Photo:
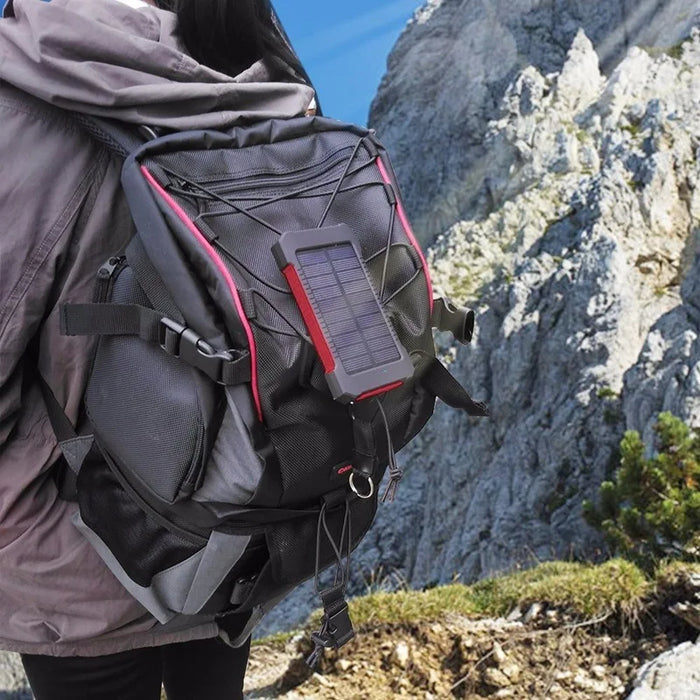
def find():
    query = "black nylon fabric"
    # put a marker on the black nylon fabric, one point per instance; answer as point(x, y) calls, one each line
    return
point(170, 261)
point(241, 190)
point(299, 414)
point(292, 564)
point(255, 179)
point(150, 409)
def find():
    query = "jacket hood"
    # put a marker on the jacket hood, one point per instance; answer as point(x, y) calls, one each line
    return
point(126, 61)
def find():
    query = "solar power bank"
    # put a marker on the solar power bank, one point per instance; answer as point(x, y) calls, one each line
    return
point(356, 343)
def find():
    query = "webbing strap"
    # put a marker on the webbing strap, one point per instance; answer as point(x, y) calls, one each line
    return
point(438, 380)
point(246, 519)
point(448, 317)
point(150, 281)
point(364, 452)
point(111, 319)
point(336, 627)
point(75, 448)
point(119, 138)
point(226, 367)
point(62, 427)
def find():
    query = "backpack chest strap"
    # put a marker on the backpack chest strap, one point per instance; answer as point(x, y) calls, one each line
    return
point(226, 367)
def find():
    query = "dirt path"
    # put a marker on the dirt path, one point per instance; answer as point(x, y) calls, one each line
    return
point(541, 655)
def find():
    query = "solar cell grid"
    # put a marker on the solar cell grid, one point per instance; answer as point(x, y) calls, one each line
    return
point(347, 308)
point(361, 354)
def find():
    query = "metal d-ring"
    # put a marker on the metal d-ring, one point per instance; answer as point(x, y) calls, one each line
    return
point(354, 488)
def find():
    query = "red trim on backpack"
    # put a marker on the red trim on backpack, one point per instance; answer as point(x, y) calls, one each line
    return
point(379, 390)
point(309, 316)
point(409, 231)
point(227, 277)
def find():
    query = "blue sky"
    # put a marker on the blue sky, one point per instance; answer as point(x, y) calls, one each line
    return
point(344, 47)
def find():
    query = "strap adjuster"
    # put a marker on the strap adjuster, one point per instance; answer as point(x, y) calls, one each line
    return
point(448, 317)
point(340, 630)
point(182, 342)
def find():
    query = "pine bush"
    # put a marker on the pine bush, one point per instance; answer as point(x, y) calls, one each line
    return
point(651, 511)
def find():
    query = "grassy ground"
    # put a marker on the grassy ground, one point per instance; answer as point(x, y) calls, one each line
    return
point(588, 591)
point(572, 630)
point(585, 590)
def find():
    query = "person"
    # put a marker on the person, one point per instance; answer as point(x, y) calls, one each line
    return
point(181, 64)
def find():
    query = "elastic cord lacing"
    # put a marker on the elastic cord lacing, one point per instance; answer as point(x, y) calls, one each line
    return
point(182, 185)
point(336, 627)
point(395, 473)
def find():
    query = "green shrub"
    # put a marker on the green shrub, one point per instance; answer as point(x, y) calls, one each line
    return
point(651, 511)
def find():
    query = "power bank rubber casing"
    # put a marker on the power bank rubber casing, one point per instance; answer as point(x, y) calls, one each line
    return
point(357, 345)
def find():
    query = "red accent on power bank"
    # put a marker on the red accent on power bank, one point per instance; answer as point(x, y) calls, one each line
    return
point(380, 390)
point(312, 324)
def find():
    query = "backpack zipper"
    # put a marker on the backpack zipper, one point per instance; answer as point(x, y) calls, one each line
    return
point(222, 269)
point(144, 505)
point(303, 173)
point(106, 276)
point(195, 473)
point(272, 184)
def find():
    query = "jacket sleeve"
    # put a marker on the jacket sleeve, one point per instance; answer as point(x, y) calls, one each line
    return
point(62, 214)
point(47, 173)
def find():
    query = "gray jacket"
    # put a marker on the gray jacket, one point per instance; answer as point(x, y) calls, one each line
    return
point(62, 214)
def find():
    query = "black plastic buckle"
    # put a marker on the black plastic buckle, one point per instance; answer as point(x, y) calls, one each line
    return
point(340, 627)
point(182, 342)
point(336, 630)
point(241, 589)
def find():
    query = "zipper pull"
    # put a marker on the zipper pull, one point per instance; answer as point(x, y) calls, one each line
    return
point(107, 270)
point(104, 277)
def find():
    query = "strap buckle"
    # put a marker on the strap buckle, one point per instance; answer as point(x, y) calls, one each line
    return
point(182, 342)
point(336, 631)
point(340, 630)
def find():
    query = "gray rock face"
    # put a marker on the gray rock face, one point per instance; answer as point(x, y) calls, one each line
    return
point(449, 70)
point(583, 330)
point(13, 683)
point(674, 675)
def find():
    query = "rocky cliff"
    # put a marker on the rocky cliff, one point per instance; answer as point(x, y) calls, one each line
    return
point(587, 290)
point(588, 298)
point(450, 68)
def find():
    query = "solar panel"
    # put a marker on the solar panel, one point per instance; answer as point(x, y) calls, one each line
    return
point(356, 343)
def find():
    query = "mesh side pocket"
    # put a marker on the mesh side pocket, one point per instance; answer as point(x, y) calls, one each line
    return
point(138, 541)
point(292, 545)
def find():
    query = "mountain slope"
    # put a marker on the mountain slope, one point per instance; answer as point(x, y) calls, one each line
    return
point(449, 70)
point(594, 231)
point(576, 272)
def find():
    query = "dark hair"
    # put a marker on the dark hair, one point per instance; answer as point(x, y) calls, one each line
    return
point(230, 35)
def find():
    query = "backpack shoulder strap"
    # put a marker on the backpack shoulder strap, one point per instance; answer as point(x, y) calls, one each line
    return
point(119, 137)
point(121, 140)
point(438, 380)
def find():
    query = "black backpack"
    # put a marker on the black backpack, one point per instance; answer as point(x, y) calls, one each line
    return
point(265, 348)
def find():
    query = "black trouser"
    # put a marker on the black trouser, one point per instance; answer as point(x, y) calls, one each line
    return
point(200, 670)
